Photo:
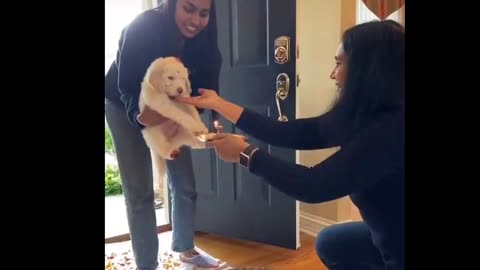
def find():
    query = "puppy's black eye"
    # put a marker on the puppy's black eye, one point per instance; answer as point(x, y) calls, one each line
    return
point(170, 77)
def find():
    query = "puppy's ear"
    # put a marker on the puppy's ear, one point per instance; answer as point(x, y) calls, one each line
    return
point(154, 73)
point(188, 87)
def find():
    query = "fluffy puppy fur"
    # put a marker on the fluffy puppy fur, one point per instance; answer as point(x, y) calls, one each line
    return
point(165, 79)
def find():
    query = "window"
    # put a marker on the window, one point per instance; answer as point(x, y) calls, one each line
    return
point(118, 13)
point(365, 15)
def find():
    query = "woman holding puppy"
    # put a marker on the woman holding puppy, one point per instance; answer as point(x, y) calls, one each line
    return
point(185, 29)
point(367, 122)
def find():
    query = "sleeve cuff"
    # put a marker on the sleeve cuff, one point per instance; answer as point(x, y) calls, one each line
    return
point(244, 119)
point(257, 160)
point(133, 118)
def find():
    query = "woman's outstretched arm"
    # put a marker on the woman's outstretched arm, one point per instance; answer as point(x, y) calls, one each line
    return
point(374, 154)
point(301, 134)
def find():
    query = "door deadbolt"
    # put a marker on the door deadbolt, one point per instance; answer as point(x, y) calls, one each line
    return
point(282, 50)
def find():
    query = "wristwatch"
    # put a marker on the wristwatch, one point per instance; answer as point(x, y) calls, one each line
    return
point(246, 155)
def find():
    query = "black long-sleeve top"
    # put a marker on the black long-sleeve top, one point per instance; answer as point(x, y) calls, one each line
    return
point(149, 36)
point(369, 167)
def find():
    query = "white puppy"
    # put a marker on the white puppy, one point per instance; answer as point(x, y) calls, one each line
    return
point(165, 79)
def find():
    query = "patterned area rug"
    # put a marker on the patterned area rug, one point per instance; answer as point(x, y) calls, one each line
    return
point(119, 256)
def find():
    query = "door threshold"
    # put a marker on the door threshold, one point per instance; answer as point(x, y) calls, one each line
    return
point(126, 237)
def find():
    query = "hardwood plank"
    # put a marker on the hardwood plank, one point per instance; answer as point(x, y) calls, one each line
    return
point(239, 253)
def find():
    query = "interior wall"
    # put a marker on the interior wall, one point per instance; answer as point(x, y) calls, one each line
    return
point(318, 35)
point(320, 25)
point(348, 14)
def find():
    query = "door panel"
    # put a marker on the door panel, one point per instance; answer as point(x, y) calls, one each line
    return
point(231, 201)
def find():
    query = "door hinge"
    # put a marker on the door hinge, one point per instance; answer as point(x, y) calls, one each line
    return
point(298, 52)
point(298, 80)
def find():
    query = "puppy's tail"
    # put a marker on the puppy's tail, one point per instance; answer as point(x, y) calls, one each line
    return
point(159, 166)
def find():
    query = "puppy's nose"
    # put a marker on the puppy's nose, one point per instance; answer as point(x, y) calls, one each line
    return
point(180, 90)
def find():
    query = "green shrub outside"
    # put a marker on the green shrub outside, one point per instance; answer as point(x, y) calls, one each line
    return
point(113, 184)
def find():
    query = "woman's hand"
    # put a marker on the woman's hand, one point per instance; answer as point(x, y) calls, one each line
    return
point(228, 146)
point(208, 99)
point(150, 117)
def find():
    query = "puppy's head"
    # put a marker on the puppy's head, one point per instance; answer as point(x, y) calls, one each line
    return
point(169, 76)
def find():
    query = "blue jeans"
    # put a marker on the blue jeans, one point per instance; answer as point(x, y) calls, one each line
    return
point(135, 165)
point(348, 246)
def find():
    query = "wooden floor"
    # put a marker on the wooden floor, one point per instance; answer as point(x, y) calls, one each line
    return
point(239, 253)
point(249, 254)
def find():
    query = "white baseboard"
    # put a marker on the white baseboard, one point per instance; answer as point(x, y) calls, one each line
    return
point(312, 224)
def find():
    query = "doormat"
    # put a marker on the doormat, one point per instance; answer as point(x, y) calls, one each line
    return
point(119, 256)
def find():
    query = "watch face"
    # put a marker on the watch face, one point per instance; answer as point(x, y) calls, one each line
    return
point(245, 155)
point(243, 159)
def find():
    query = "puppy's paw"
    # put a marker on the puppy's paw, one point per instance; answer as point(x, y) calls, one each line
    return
point(198, 133)
point(166, 154)
point(199, 130)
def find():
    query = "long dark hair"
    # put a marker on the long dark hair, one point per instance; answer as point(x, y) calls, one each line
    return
point(201, 52)
point(375, 79)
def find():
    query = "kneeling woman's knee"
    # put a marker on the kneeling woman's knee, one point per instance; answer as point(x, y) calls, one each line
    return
point(325, 244)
